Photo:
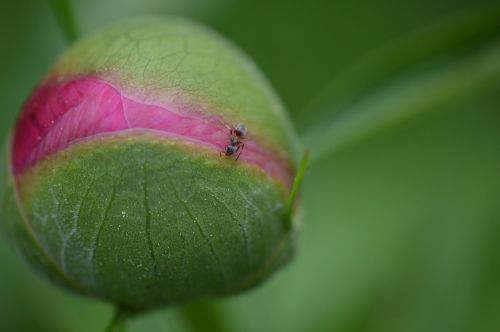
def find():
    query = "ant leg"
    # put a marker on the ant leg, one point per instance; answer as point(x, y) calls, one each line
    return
point(226, 125)
point(241, 150)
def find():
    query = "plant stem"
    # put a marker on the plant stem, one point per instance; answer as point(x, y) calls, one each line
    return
point(117, 323)
point(204, 316)
point(65, 17)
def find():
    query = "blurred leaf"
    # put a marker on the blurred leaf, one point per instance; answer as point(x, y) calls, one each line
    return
point(421, 93)
point(406, 77)
point(468, 28)
point(65, 17)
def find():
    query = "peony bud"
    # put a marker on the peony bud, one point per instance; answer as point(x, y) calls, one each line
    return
point(119, 184)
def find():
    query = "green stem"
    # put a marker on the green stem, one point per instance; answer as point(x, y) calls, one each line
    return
point(117, 323)
point(63, 12)
point(204, 316)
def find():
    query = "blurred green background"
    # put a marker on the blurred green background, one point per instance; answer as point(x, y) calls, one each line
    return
point(400, 101)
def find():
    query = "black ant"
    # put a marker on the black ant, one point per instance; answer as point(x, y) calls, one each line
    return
point(237, 134)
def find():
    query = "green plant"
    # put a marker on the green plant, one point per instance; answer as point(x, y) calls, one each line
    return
point(385, 89)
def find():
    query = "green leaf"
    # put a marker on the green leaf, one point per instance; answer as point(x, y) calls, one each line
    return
point(405, 78)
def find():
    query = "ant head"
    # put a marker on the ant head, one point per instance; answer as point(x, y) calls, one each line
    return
point(241, 129)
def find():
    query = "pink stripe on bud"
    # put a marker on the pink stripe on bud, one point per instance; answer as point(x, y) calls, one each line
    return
point(58, 115)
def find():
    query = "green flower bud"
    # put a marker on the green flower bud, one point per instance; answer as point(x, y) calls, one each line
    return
point(130, 180)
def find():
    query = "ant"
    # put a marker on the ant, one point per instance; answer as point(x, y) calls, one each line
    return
point(237, 134)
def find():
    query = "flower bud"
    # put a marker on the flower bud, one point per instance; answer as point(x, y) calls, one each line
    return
point(129, 179)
